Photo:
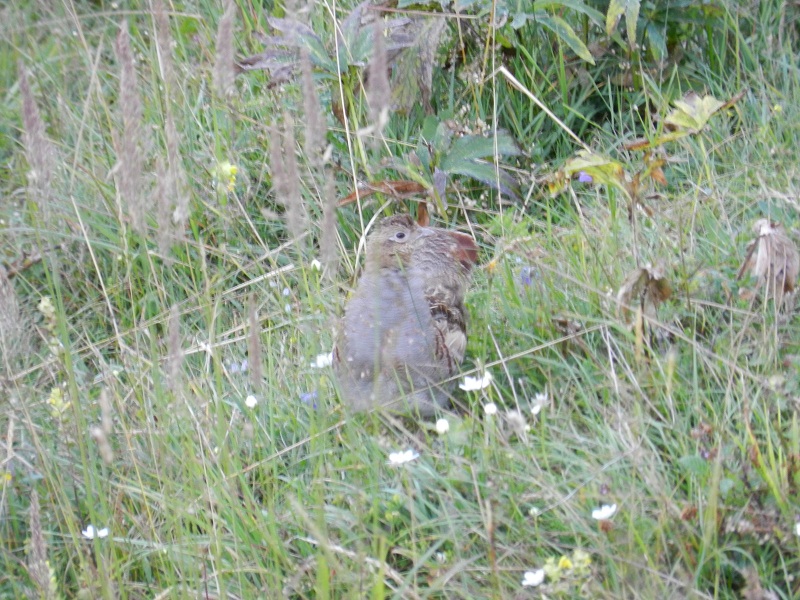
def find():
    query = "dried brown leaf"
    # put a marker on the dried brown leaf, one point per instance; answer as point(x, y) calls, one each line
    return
point(773, 261)
point(644, 288)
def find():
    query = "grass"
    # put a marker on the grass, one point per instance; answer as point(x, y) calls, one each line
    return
point(123, 388)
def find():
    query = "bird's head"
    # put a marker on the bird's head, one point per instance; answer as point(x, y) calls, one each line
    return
point(391, 243)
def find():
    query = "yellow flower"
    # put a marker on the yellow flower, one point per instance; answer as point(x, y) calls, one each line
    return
point(564, 563)
point(56, 400)
point(226, 173)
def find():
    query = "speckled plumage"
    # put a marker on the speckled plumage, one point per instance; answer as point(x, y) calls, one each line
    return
point(403, 333)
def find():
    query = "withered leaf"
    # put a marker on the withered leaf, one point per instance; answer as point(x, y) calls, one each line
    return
point(773, 261)
point(646, 288)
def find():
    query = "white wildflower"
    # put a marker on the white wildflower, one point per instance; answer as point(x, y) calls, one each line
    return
point(605, 512)
point(402, 457)
point(490, 409)
point(539, 402)
point(323, 360)
point(533, 578)
point(442, 426)
point(90, 532)
point(250, 401)
point(472, 384)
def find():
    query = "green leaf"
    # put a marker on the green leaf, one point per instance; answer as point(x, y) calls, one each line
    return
point(630, 8)
point(693, 112)
point(603, 169)
point(632, 19)
point(566, 34)
point(657, 45)
point(579, 7)
point(487, 173)
point(694, 465)
point(470, 147)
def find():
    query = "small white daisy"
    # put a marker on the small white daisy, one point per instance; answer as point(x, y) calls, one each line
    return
point(472, 384)
point(605, 512)
point(538, 403)
point(250, 401)
point(323, 360)
point(402, 457)
point(797, 529)
point(90, 532)
point(316, 265)
point(490, 409)
point(442, 426)
point(533, 578)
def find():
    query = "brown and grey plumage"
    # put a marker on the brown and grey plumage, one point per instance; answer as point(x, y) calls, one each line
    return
point(403, 333)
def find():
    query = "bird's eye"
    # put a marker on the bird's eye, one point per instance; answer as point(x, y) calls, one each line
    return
point(400, 235)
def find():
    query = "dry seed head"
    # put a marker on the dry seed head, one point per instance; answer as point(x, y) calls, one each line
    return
point(328, 244)
point(315, 127)
point(39, 151)
point(106, 420)
point(164, 45)
point(378, 89)
point(103, 445)
point(130, 174)
point(224, 65)
point(176, 174)
point(13, 342)
point(164, 194)
point(286, 176)
point(37, 557)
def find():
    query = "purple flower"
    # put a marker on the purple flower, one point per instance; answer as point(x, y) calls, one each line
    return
point(584, 177)
point(309, 398)
point(525, 277)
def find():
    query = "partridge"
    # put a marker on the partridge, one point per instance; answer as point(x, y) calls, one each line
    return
point(403, 334)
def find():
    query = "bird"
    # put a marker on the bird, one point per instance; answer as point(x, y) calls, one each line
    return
point(403, 333)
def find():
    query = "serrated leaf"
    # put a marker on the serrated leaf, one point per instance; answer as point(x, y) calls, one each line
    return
point(602, 169)
point(299, 35)
point(488, 174)
point(566, 34)
point(693, 112)
point(466, 149)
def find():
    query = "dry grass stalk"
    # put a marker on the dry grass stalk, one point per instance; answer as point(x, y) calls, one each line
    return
point(315, 127)
point(130, 170)
point(286, 176)
point(773, 261)
point(644, 289)
point(254, 345)
point(224, 72)
point(39, 150)
point(378, 90)
point(175, 352)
